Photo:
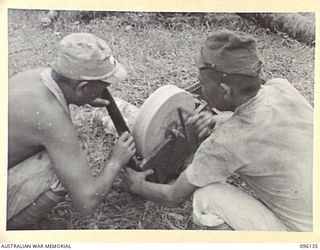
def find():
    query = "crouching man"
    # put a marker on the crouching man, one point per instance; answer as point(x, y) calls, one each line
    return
point(45, 160)
point(267, 140)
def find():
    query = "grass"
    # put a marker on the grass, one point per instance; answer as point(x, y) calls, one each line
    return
point(156, 49)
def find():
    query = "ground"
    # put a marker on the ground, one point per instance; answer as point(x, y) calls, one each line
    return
point(156, 49)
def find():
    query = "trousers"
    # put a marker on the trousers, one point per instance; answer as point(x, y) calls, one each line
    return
point(33, 190)
point(217, 204)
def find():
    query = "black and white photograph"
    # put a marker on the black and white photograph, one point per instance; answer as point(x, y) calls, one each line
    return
point(142, 120)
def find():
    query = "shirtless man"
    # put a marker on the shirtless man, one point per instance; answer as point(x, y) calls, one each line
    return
point(45, 160)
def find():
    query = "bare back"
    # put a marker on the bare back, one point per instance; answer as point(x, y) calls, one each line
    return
point(32, 108)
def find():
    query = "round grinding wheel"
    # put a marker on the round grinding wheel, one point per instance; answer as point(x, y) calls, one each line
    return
point(158, 113)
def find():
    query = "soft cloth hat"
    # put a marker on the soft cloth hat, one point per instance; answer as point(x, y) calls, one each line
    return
point(83, 56)
point(230, 52)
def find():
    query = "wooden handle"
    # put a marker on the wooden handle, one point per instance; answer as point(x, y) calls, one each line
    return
point(119, 124)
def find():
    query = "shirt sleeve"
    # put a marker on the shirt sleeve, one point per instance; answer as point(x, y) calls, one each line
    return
point(280, 82)
point(289, 93)
point(210, 164)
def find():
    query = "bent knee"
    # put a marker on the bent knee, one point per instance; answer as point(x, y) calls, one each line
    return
point(213, 191)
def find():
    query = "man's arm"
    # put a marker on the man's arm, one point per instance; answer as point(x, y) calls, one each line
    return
point(71, 164)
point(170, 195)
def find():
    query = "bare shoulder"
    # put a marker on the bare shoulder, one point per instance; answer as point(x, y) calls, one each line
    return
point(33, 108)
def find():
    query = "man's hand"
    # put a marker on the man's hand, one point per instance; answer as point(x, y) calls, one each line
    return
point(123, 149)
point(133, 180)
point(201, 124)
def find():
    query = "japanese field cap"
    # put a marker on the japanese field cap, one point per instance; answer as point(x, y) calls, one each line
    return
point(83, 56)
point(230, 52)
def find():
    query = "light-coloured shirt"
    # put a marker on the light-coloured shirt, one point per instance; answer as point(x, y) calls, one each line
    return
point(269, 142)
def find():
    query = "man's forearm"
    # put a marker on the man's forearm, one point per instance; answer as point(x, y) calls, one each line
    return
point(99, 188)
point(168, 195)
point(107, 176)
point(159, 193)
